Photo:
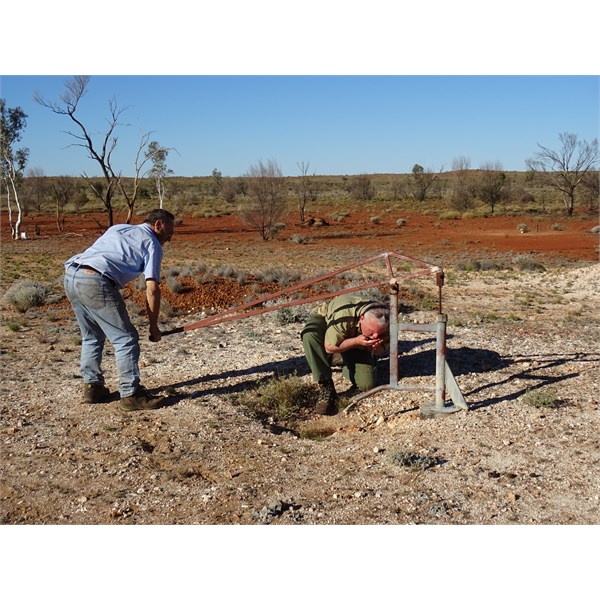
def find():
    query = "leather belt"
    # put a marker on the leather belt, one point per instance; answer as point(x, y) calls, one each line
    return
point(91, 270)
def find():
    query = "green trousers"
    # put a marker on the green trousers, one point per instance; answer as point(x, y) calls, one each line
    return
point(359, 365)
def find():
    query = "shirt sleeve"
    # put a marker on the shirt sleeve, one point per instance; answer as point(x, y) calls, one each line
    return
point(153, 261)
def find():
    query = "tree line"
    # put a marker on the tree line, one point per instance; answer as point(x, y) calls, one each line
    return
point(262, 192)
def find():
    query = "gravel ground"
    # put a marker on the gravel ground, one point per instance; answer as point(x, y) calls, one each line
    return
point(206, 459)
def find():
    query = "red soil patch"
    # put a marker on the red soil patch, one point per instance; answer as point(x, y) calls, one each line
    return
point(421, 236)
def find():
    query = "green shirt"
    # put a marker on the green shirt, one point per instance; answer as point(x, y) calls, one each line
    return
point(342, 316)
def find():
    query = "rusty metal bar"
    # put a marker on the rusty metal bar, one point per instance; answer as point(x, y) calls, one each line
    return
point(230, 314)
point(430, 268)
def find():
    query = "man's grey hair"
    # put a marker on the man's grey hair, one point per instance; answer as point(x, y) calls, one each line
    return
point(377, 312)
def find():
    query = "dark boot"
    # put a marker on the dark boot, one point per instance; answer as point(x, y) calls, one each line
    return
point(94, 393)
point(326, 405)
point(141, 399)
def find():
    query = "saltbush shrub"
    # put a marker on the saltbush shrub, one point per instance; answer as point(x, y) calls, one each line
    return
point(26, 294)
point(280, 398)
point(412, 460)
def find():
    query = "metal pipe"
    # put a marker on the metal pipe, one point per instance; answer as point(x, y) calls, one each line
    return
point(393, 333)
point(440, 361)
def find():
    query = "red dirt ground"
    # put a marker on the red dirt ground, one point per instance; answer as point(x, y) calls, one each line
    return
point(421, 236)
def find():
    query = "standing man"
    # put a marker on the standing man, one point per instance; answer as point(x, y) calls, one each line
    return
point(353, 326)
point(92, 283)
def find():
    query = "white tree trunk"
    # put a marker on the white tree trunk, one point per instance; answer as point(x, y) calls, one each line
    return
point(10, 221)
point(16, 230)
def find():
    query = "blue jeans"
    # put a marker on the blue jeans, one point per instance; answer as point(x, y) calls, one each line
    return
point(101, 313)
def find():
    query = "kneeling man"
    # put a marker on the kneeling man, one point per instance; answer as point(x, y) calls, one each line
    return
point(354, 327)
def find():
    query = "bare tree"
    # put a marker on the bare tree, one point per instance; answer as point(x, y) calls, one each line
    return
point(12, 160)
point(102, 151)
point(307, 190)
point(461, 193)
point(523, 196)
point(591, 185)
point(62, 190)
point(361, 188)
point(229, 190)
point(130, 192)
point(564, 169)
point(397, 187)
point(37, 187)
point(422, 181)
point(492, 184)
point(266, 201)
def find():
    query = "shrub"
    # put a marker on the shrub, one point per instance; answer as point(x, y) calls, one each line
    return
point(281, 398)
point(400, 222)
point(172, 272)
point(225, 271)
point(166, 310)
point(541, 398)
point(526, 263)
point(174, 284)
point(277, 275)
point(522, 228)
point(200, 267)
point(375, 220)
point(412, 460)
point(450, 215)
point(24, 295)
point(298, 239)
point(291, 314)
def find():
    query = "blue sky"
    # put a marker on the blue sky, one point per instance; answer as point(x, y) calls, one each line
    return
point(346, 87)
point(338, 124)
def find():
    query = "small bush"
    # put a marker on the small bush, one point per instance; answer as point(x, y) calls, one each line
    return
point(522, 228)
point(541, 398)
point(277, 275)
point(526, 263)
point(166, 310)
point(291, 314)
point(298, 239)
point(24, 295)
point(412, 460)
point(400, 222)
point(225, 271)
point(450, 215)
point(174, 284)
point(375, 220)
point(172, 272)
point(281, 398)
point(200, 267)
point(557, 227)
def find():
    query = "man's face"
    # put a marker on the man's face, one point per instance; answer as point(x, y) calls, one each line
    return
point(371, 329)
point(164, 230)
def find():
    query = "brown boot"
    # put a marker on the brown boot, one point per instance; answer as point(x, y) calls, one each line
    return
point(141, 399)
point(326, 405)
point(94, 393)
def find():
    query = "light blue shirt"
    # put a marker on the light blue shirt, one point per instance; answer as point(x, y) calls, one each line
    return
point(123, 253)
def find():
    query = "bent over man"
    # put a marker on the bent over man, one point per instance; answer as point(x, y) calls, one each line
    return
point(350, 325)
point(92, 283)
